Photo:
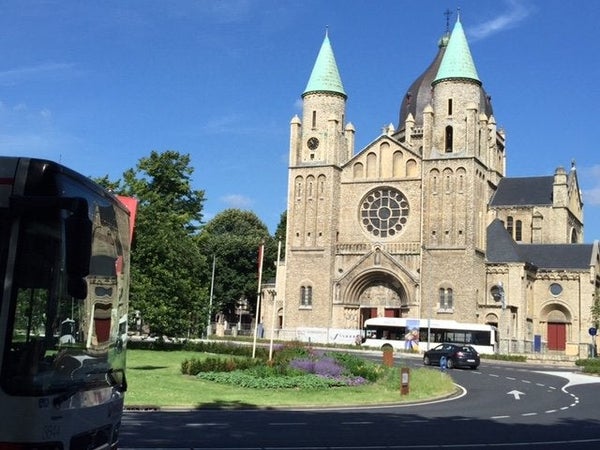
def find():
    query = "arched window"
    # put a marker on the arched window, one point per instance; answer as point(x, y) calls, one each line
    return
point(306, 296)
point(446, 299)
point(509, 225)
point(449, 139)
point(518, 230)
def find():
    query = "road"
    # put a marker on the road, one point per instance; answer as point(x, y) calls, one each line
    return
point(501, 406)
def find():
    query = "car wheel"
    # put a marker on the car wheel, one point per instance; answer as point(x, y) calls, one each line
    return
point(474, 367)
point(449, 363)
point(426, 361)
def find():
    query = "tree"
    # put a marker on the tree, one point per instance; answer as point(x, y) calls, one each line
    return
point(280, 232)
point(596, 308)
point(168, 272)
point(234, 237)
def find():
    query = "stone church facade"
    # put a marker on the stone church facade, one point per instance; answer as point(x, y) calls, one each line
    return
point(424, 223)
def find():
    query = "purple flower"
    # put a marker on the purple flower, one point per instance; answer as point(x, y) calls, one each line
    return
point(305, 365)
point(328, 367)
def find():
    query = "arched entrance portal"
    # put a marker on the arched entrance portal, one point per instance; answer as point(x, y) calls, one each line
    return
point(379, 294)
point(558, 320)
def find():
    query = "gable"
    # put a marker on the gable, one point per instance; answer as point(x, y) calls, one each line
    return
point(383, 159)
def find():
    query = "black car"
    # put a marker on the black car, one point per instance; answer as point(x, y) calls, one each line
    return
point(457, 355)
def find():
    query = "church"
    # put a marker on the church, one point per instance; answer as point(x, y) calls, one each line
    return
point(424, 222)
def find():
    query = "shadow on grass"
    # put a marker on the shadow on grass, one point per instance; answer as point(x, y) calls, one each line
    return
point(146, 367)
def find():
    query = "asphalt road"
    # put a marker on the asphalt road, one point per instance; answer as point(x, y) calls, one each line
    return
point(502, 406)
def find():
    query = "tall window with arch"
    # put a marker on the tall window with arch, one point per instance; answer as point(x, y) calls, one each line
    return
point(518, 230)
point(306, 296)
point(446, 299)
point(510, 225)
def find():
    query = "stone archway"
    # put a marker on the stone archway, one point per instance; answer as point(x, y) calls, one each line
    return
point(557, 319)
point(378, 293)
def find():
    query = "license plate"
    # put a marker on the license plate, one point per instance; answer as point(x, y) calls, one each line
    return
point(470, 360)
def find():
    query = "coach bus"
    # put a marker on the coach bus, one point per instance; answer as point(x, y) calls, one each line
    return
point(64, 266)
point(418, 335)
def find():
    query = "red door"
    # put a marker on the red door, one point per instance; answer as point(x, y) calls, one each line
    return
point(557, 336)
point(392, 312)
point(367, 313)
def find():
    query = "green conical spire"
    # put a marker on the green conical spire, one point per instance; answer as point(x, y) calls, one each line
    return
point(457, 62)
point(325, 76)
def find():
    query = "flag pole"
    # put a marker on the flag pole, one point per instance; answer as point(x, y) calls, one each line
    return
point(274, 294)
point(258, 295)
point(212, 285)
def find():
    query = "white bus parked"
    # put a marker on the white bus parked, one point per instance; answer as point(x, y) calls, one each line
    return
point(419, 335)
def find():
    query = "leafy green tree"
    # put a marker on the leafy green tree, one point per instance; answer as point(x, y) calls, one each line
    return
point(596, 308)
point(281, 231)
point(234, 237)
point(169, 274)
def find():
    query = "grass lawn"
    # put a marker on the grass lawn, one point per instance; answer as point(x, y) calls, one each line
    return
point(155, 379)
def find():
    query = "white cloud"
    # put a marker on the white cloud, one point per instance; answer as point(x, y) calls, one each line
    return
point(237, 201)
point(589, 179)
point(517, 12)
point(23, 74)
point(32, 132)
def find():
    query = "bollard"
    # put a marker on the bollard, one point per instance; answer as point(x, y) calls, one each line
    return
point(388, 355)
point(404, 380)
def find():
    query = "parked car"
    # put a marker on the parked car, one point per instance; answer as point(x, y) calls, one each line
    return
point(457, 355)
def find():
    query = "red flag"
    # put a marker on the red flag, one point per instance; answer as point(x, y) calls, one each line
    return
point(260, 258)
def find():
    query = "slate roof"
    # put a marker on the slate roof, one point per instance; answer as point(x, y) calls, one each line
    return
point(558, 256)
point(523, 191)
point(501, 248)
point(500, 245)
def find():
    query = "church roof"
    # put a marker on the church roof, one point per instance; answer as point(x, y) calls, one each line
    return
point(500, 245)
point(523, 191)
point(501, 248)
point(419, 93)
point(325, 76)
point(457, 62)
point(558, 256)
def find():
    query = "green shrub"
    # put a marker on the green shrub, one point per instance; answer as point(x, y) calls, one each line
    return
point(223, 348)
point(289, 351)
point(215, 364)
point(248, 379)
point(358, 367)
point(589, 365)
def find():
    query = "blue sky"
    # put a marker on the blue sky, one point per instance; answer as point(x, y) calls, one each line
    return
point(98, 85)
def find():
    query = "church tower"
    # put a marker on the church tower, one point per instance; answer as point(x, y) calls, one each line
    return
point(320, 143)
point(463, 159)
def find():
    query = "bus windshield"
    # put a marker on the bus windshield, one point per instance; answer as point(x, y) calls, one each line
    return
point(63, 334)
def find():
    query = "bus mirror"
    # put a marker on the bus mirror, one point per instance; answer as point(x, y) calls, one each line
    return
point(78, 236)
